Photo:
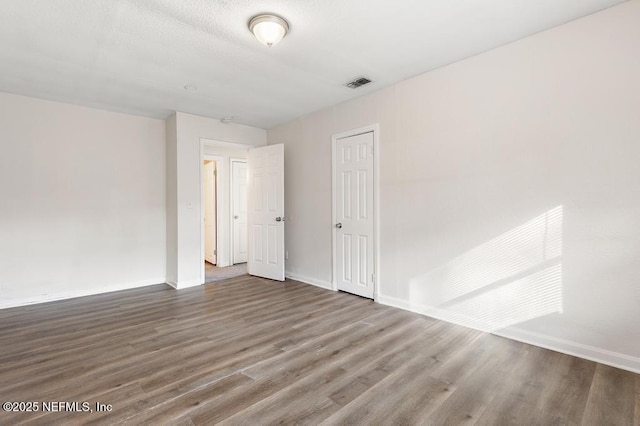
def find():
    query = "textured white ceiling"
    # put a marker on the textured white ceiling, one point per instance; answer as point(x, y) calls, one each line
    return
point(136, 56)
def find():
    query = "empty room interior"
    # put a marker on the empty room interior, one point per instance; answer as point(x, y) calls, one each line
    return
point(300, 212)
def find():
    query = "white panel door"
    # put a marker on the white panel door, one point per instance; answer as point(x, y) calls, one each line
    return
point(354, 223)
point(266, 212)
point(239, 196)
point(210, 212)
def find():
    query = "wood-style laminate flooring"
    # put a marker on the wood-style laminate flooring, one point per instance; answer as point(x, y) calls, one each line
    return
point(255, 352)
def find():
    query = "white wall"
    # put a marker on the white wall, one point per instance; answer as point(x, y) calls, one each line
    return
point(82, 201)
point(190, 129)
point(172, 198)
point(510, 189)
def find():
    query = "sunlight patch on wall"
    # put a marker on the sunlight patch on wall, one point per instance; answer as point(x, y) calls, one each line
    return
point(512, 278)
point(527, 298)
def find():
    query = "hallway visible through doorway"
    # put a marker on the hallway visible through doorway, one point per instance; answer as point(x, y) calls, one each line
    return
point(214, 273)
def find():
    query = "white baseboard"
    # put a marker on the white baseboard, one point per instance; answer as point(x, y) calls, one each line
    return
point(184, 284)
point(436, 313)
point(603, 356)
point(318, 283)
point(44, 298)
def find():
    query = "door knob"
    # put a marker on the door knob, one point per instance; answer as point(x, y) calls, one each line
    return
point(279, 219)
point(235, 217)
point(339, 225)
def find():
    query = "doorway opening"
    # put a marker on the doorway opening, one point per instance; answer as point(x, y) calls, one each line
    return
point(210, 214)
point(238, 203)
point(249, 207)
point(212, 166)
point(223, 197)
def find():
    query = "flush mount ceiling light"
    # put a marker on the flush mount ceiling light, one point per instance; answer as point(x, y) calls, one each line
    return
point(268, 29)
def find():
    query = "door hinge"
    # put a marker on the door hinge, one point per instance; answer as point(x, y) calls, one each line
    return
point(371, 149)
point(215, 252)
point(215, 172)
point(373, 278)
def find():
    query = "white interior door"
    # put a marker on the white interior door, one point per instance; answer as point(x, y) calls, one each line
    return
point(210, 222)
point(354, 224)
point(265, 167)
point(239, 196)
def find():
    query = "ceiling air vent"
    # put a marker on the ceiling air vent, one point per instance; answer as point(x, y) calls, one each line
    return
point(358, 82)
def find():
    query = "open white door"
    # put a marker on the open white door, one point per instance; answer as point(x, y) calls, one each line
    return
point(266, 212)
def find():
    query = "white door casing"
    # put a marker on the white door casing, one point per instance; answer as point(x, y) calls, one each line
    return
point(265, 199)
point(239, 210)
point(210, 220)
point(354, 225)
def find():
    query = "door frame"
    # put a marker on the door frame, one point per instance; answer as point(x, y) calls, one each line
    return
point(375, 129)
point(216, 202)
point(221, 206)
point(232, 160)
point(219, 170)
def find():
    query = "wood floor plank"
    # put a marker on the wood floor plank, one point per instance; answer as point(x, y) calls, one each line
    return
point(396, 398)
point(415, 392)
point(522, 390)
point(253, 351)
point(317, 388)
point(383, 362)
point(118, 397)
point(636, 420)
point(611, 397)
point(478, 374)
point(566, 391)
point(174, 408)
point(293, 366)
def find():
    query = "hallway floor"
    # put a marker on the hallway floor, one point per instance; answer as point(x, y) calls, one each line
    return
point(213, 273)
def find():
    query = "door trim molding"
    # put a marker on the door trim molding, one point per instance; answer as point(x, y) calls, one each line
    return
point(219, 169)
point(232, 160)
point(215, 143)
point(375, 129)
point(204, 207)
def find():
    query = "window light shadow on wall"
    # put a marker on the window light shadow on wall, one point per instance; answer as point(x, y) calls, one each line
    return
point(510, 279)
